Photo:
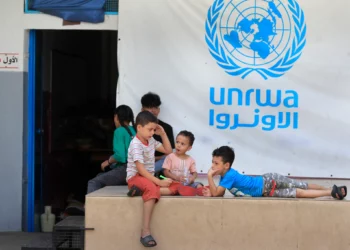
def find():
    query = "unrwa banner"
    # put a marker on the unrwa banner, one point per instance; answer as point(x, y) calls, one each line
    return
point(268, 78)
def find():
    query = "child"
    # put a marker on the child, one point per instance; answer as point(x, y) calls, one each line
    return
point(151, 102)
point(271, 184)
point(116, 163)
point(140, 170)
point(179, 165)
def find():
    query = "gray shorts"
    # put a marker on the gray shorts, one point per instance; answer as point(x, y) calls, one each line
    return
point(195, 184)
point(285, 187)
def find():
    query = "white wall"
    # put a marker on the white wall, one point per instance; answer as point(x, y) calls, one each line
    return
point(14, 24)
point(14, 30)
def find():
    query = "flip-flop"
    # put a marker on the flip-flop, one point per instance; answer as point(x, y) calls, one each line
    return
point(134, 191)
point(345, 189)
point(187, 191)
point(146, 241)
point(337, 191)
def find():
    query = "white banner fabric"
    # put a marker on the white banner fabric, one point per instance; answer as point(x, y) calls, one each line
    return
point(269, 78)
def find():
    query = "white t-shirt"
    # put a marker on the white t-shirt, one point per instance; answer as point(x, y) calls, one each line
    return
point(141, 153)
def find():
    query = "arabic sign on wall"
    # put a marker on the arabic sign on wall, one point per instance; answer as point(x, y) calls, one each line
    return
point(9, 60)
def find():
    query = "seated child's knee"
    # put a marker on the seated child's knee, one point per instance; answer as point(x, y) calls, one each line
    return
point(152, 188)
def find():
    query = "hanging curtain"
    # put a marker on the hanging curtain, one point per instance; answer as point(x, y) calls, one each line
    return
point(73, 10)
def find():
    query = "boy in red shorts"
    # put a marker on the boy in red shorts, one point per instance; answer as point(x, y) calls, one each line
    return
point(140, 170)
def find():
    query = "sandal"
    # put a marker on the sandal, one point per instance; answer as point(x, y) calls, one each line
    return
point(338, 191)
point(345, 190)
point(134, 191)
point(147, 241)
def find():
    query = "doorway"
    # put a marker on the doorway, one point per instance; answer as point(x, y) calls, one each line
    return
point(76, 76)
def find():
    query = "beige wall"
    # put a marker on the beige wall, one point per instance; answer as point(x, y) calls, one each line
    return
point(217, 223)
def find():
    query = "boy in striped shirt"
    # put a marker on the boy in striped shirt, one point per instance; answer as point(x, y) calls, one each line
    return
point(140, 169)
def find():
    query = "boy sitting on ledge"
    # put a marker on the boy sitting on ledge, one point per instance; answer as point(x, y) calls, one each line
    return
point(140, 170)
point(179, 166)
point(271, 184)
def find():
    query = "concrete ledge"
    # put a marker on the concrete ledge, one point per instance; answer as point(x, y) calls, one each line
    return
point(183, 223)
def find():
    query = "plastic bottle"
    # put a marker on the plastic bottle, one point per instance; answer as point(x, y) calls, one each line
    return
point(47, 220)
point(186, 176)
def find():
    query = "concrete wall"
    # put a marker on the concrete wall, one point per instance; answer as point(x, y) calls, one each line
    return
point(11, 144)
point(188, 223)
point(14, 29)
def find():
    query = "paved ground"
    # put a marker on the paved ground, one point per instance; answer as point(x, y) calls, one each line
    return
point(15, 241)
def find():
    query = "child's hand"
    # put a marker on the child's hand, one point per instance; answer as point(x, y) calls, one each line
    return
point(104, 165)
point(159, 130)
point(181, 178)
point(212, 172)
point(206, 192)
point(166, 182)
point(191, 179)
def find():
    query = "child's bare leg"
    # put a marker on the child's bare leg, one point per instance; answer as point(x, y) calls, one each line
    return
point(316, 187)
point(165, 191)
point(310, 193)
point(301, 193)
point(148, 207)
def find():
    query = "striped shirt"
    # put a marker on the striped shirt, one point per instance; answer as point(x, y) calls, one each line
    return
point(141, 153)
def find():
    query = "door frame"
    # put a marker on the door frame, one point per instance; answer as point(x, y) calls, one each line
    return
point(31, 133)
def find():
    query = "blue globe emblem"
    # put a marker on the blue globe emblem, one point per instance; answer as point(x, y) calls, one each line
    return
point(255, 32)
point(262, 36)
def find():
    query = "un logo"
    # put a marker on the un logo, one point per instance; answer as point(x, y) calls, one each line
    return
point(262, 36)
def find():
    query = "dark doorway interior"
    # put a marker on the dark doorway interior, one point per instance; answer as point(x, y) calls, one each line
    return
point(75, 98)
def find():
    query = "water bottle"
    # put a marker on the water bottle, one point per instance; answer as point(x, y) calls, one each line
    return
point(47, 220)
point(186, 176)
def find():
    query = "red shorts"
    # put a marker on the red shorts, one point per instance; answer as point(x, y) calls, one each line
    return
point(149, 189)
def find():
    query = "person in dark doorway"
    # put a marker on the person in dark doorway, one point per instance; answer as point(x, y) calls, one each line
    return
point(115, 166)
point(151, 102)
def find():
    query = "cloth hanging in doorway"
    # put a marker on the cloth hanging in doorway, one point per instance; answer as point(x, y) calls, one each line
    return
point(91, 11)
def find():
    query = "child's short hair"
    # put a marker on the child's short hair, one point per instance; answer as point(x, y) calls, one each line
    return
point(187, 134)
point(150, 100)
point(145, 117)
point(226, 153)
